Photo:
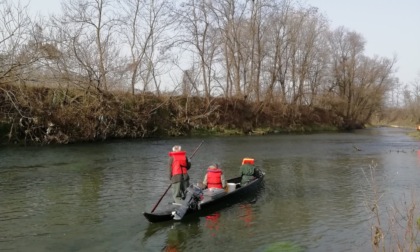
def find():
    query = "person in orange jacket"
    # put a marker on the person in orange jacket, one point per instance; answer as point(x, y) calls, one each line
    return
point(214, 177)
point(178, 172)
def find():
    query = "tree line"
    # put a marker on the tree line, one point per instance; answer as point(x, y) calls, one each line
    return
point(271, 53)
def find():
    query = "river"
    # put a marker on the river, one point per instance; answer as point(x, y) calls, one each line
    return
point(317, 193)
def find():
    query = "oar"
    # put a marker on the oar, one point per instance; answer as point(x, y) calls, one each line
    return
point(167, 189)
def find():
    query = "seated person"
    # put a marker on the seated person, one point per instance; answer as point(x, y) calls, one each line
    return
point(214, 177)
point(248, 171)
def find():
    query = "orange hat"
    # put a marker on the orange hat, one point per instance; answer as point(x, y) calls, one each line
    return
point(248, 160)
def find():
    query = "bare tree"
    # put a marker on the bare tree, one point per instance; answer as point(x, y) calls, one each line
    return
point(258, 27)
point(146, 30)
point(16, 55)
point(309, 59)
point(373, 81)
point(189, 83)
point(346, 48)
point(277, 63)
point(359, 82)
point(89, 27)
point(201, 39)
point(411, 100)
point(229, 17)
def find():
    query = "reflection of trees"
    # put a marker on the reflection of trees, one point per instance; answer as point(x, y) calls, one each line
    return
point(91, 184)
point(74, 197)
point(179, 234)
point(50, 189)
point(302, 188)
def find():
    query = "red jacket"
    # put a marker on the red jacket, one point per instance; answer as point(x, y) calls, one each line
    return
point(179, 162)
point(214, 178)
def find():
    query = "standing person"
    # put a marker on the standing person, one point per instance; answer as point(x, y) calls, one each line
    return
point(214, 177)
point(178, 170)
point(248, 170)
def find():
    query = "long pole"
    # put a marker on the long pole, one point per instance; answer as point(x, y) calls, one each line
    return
point(196, 149)
point(167, 189)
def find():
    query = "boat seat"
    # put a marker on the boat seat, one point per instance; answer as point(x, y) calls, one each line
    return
point(214, 193)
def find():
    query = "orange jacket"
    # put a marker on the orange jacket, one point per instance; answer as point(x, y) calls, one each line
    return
point(214, 178)
point(179, 163)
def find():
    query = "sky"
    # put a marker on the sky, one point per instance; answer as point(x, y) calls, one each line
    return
point(389, 27)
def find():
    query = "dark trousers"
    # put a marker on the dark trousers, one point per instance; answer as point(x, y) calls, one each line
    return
point(178, 190)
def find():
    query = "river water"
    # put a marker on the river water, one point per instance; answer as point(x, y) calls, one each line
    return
point(316, 196)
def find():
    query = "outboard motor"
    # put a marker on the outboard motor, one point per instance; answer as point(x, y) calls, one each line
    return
point(192, 198)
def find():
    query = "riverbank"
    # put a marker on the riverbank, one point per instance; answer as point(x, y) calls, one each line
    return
point(35, 115)
point(41, 115)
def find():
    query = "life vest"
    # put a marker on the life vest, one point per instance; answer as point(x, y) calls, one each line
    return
point(214, 178)
point(179, 163)
point(248, 161)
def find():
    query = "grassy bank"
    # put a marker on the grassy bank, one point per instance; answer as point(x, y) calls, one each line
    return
point(415, 134)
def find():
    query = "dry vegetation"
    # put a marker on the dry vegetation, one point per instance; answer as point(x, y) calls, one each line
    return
point(46, 115)
point(393, 227)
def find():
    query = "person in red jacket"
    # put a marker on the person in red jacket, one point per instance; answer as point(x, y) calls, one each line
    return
point(214, 177)
point(178, 173)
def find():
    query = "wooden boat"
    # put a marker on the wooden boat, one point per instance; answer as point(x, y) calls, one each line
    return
point(210, 201)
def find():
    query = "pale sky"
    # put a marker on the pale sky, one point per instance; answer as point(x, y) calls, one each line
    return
point(390, 27)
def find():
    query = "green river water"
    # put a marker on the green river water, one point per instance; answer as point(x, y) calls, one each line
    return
point(316, 196)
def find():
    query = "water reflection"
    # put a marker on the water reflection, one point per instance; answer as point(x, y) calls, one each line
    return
point(212, 223)
point(418, 156)
point(246, 214)
point(92, 183)
point(179, 236)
